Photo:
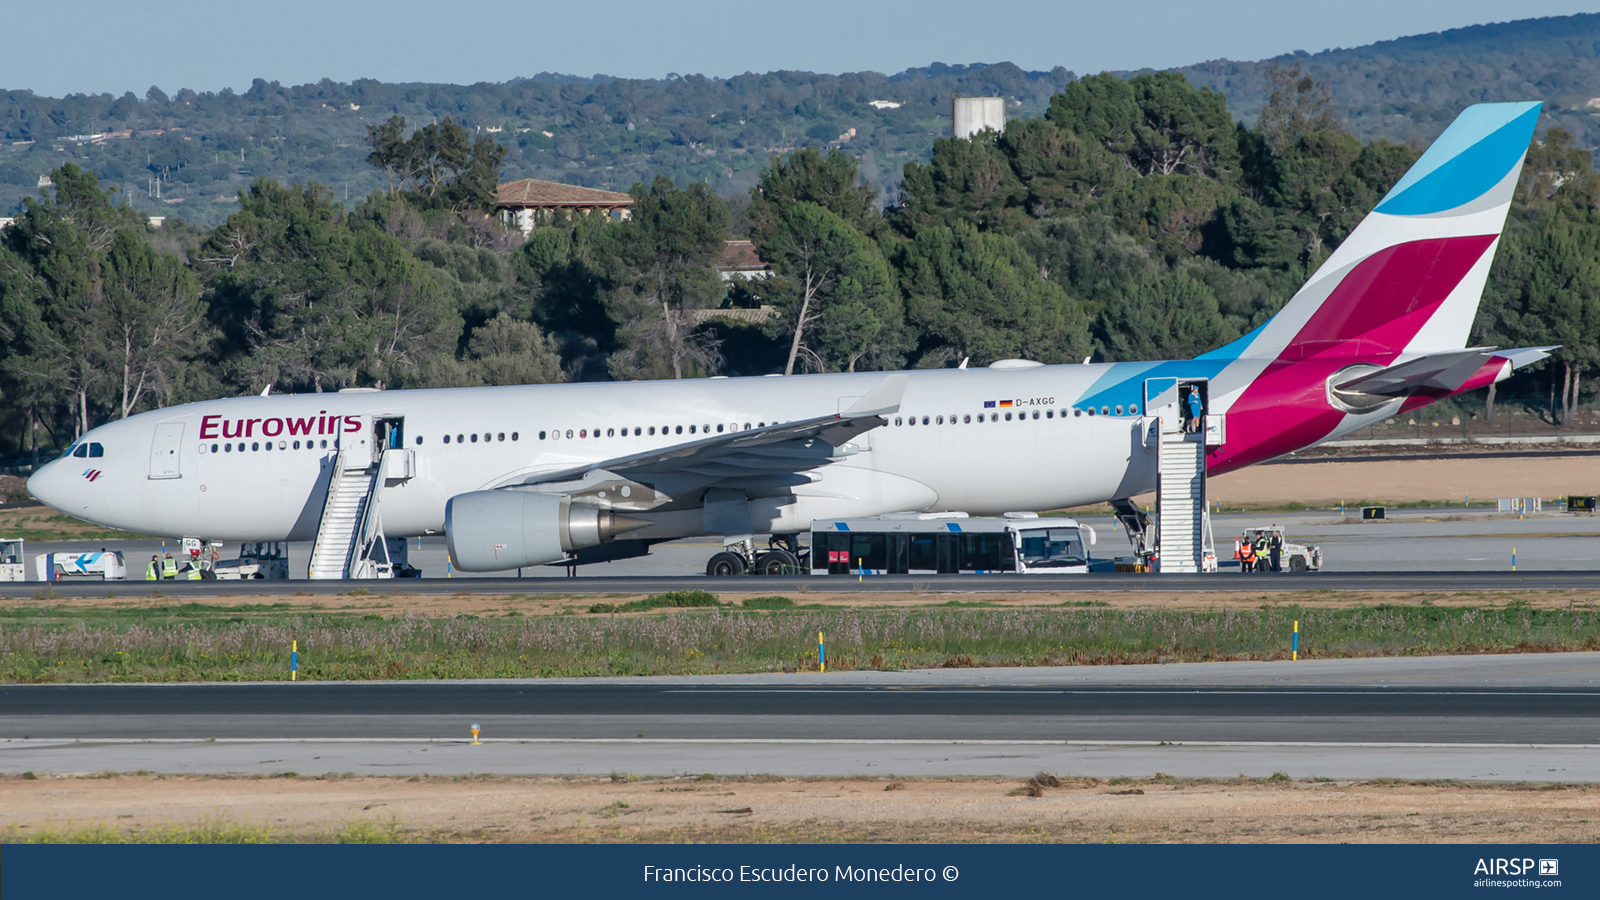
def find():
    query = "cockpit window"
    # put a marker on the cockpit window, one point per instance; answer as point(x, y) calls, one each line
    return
point(81, 451)
point(96, 450)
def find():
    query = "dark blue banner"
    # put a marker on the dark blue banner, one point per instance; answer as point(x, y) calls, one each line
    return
point(271, 872)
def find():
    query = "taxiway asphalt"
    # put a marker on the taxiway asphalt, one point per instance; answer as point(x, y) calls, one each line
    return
point(797, 586)
point(1492, 717)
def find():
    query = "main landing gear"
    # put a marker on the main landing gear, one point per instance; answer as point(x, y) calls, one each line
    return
point(783, 556)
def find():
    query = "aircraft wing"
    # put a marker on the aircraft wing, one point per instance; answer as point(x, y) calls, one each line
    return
point(1447, 372)
point(761, 462)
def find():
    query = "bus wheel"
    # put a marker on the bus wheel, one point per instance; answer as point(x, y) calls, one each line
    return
point(777, 562)
point(725, 563)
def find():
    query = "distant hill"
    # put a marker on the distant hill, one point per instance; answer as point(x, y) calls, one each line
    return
point(608, 132)
point(1410, 88)
point(598, 132)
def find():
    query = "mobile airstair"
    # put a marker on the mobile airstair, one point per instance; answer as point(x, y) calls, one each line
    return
point(350, 542)
point(1184, 540)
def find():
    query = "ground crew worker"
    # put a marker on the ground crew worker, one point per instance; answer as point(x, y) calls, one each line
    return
point(169, 568)
point(1277, 550)
point(152, 572)
point(1247, 556)
point(192, 570)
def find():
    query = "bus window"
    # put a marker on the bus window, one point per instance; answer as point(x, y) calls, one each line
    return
point(987, 553)
point(1045, 548)
point(924, 554)
point(870, 551)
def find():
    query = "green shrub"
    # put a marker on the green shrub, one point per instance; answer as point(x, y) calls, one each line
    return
point(769, 603)
point(674, 599)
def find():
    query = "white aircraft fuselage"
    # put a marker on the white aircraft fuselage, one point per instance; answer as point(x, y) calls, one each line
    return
point(1032, 454)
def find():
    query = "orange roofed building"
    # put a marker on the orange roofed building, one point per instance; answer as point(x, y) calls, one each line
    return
point(527, 202)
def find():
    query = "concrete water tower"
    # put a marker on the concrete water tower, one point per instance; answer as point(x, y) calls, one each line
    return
point(970, 115)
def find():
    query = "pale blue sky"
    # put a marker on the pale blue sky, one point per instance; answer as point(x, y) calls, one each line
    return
point(66, 46)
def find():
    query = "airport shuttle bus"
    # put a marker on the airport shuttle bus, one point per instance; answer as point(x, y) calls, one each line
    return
point(934, 544)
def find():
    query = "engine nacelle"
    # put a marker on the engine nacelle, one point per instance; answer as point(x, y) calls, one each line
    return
point(488, 531)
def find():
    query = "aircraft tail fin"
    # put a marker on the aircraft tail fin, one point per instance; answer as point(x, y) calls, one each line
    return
point(1409, 278)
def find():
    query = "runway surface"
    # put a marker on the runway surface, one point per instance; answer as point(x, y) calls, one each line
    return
point(1490, 717)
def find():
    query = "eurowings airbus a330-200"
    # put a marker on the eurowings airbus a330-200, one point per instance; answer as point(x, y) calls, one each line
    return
point(528, 475)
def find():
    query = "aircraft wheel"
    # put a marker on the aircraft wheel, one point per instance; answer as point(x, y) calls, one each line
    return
point(777, 562)
point(725, 563)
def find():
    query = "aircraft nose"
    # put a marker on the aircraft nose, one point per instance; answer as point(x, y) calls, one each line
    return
point(50, 485)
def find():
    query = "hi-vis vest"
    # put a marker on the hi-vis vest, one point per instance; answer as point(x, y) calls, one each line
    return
point(151, 573)
point(169, 568)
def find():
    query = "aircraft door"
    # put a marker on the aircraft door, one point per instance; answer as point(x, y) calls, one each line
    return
point(1161, 400)
point(165, 451)
point(357, 442)
point(389, 433)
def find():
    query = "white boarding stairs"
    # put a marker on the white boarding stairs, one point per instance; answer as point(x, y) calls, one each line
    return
point(1184, 541)
point(350, 541)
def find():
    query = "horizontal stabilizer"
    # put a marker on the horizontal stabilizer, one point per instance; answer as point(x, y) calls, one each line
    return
point(1447, 372)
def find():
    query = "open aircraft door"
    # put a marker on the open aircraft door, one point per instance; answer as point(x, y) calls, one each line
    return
point(165, 451)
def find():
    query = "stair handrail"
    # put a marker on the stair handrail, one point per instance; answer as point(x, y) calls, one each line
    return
point(327, 504)
point(371, 525)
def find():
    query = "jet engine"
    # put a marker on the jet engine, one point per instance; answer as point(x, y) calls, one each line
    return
point(488, 531)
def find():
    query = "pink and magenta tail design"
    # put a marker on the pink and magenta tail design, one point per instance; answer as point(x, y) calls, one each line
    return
point(1403, 287)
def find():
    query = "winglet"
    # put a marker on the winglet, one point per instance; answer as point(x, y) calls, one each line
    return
point(1527, 356)
point(881, 400)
